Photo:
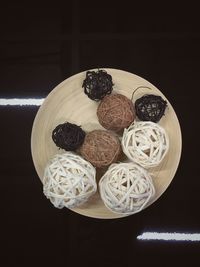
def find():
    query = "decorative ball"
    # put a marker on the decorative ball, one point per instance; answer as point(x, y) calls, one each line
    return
point(68, 136)
point(115, 112)
point(69, 180)
point(145, 143)
point(97, 84)
point(150, 107)
point(126, 188)
point(101, 148)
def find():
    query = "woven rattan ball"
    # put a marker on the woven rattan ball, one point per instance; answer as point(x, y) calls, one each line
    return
point(145, 143)
point(97, 84)
point(101, 148)
point(69, 180)
point(68, 136)
point(150, 107)
point(115, 112)
point(126, 188)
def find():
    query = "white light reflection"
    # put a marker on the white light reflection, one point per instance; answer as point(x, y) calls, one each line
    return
point(148, 236)
point(21, 101)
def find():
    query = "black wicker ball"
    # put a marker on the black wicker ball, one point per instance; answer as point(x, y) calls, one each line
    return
point(68, 136)
point(97, 84)
point(150, 108)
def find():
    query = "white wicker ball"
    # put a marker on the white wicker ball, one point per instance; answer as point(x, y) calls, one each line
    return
point(145, 143)
point(69, 180)
point(126, 188)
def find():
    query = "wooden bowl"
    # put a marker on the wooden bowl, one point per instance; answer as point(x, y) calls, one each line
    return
point(67, 102)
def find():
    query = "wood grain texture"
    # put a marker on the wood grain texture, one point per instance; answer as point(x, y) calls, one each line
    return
point(67, 102)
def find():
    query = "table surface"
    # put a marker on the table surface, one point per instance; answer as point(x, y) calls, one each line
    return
point(40, 46)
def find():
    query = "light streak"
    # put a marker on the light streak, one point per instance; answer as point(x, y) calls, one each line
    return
point(169, 236)
point(21, 101)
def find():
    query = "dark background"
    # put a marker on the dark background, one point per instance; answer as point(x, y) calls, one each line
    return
point(41, 44)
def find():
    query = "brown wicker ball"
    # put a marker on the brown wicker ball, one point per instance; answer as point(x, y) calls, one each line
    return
point(115, 112)
point(101, 148)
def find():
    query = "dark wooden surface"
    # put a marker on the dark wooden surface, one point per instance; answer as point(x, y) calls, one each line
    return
point(43, 44)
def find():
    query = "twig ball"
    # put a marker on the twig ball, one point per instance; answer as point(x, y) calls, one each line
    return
point(68, 136)
point(126, 188)
point(97, 84)
point(150, 107)
point(69, 180)
point(145, 143)
point(101, 148)
point(115, 112)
